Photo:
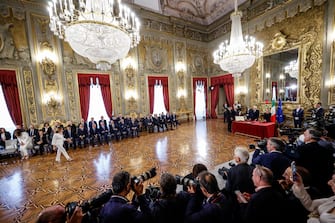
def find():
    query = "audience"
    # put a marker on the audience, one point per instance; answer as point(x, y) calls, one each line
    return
point(266, 204)
point(322, 210)
point(274, 159)
point(318, 160)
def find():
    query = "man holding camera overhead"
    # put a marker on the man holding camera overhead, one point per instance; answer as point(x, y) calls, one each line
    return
point(119, 209)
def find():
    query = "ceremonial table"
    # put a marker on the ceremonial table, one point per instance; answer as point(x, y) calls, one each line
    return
point(254, 128)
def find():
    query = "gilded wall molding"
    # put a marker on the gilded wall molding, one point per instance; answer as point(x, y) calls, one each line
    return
point(30, 96)
point(307, 36)
point(116, 89)
point(331, 97)
point(70, 81)
point(197, 60)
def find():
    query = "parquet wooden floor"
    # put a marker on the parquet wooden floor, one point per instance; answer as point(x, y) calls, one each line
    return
point(26, 187)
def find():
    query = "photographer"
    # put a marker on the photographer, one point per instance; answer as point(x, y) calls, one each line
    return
point(169, 206)
point(119, 209)
point(215, 208)
point(57, 214)
point(275, 160)
point(196, 170)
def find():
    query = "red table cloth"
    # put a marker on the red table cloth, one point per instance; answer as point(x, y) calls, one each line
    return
point(254, 128)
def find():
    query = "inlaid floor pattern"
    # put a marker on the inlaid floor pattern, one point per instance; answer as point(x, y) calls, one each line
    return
point(26, 187)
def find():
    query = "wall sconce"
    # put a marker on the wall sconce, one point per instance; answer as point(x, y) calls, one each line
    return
point(181, 93)
point(241, 90)
point(52, 100)
point(131, 95)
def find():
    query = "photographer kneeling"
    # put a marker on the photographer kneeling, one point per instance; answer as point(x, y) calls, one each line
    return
point(119, 209)
point(57, 214)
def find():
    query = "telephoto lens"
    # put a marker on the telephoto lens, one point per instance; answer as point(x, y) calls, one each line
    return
point(185, 181)
point(145, 176)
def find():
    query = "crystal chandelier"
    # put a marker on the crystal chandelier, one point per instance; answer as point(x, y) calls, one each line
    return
point(237, 55)
point(292, 69)
point(101, 30)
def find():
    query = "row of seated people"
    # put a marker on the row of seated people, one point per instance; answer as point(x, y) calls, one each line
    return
point(93, 132)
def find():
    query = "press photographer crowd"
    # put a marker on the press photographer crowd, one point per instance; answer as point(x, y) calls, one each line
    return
point(289, 180)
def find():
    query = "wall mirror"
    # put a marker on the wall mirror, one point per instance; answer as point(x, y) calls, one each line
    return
point(281, 76)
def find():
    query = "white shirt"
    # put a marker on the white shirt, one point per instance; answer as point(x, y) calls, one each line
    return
point(57, 139)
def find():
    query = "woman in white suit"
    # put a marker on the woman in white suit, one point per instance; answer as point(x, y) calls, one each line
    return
point(322, 210)
point(57, 142)
point(25, 142)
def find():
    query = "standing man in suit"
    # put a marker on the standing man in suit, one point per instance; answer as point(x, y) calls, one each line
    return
point(319, 112)
point(298, 116)
point(230, 117)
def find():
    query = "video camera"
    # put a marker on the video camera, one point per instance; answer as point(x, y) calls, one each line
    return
point(261, 144)
point(90, 207)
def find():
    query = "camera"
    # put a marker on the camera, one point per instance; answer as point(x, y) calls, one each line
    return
point(89, 207)
point(261, 144)
point(185, 181)
point(152, 192)
point(143, 177)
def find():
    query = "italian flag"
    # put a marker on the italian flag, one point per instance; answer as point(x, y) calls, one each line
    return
point(273, 105)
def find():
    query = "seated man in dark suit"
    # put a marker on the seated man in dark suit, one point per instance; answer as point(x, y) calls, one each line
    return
point(82, 135)
point(317, 159)
point(267, 203)
point(4, 135)
point(274, 159)
point(41, 141)
point(70, 138)
point(94, 135)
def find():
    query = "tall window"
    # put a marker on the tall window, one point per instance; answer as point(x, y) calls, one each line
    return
point(200, 102)
point(5, 120)
point(97, 106)
point(159, 106)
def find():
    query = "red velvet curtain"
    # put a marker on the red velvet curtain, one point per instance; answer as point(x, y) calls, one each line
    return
point(228, 84)
point(11, 94)
point(152, 80)
point(106, 93)
point(84, 81)
point(204, 80)
point(84, 94)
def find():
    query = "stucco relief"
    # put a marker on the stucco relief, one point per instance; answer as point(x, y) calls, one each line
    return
point(157, 55)
point(7, 46)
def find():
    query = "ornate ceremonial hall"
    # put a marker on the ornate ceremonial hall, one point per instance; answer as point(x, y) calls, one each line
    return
point(239, 52)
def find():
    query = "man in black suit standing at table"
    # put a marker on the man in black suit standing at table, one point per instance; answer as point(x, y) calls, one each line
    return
point(230, 117)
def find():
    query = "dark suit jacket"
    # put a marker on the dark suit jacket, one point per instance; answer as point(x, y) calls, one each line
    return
point(275, 161)
point(217, 209)
point(319, 113)
point(266, 205)
point(318, 160)
point(118, 210)
point(7, 137)
point(298, 115)
point(253, 115)
point(168, 210)
point(239, 178)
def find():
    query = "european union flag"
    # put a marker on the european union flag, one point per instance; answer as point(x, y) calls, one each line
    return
point(280, 116)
